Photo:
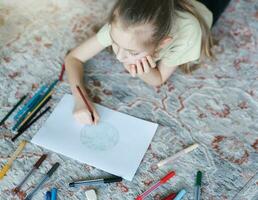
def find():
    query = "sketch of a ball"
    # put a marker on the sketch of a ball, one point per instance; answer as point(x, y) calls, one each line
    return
point(100, 137)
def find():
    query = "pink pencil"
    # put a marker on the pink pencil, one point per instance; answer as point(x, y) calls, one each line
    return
point(155, 186)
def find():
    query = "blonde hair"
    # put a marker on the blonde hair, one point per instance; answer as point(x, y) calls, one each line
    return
point(207, 41)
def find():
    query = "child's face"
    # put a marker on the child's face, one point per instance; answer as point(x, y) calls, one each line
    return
point(129, 44)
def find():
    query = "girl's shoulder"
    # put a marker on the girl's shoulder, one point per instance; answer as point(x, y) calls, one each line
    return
point(103, 35)
point(186, 35)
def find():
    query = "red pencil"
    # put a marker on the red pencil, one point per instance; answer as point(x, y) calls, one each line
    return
point(156, 185)
point(86, 102)
point(170, 197)
point(62, 73)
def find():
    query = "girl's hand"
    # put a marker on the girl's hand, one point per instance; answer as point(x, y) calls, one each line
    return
point(83, 115)
point(142, 66)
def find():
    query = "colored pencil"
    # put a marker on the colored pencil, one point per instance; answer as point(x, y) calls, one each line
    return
point(21, 131)
point(53, 193)
point(48, 195)
point(13, 109)
point(198, 185)
point(29, 115)
point(62, 73)
point(35, 113)
point(86, 102)
point(180, 194)
point(35, 167)
point(42, 97)
point(8, 165)
point(43, 180)
point(156, 185)
point(170, 197)
point(175, 156)
point(27, 109)
point(30, 102)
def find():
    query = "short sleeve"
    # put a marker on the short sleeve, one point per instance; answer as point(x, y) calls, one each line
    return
point(185, 46)
point(103, 36)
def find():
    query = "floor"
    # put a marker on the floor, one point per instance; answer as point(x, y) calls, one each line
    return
point(216, 106)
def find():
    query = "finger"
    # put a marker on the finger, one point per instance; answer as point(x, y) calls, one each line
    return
point(96, 117)
point(146, 66)
point(139, 67)
point(127, 67)
point(82, 117)
point(151, 61)
point(133, 70)
point(86, 118)
point(130, 69)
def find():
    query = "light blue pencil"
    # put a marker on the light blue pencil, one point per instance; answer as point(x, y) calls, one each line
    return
point(180, 195)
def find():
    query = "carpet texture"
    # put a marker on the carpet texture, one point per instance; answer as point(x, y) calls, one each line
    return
point(216, 106)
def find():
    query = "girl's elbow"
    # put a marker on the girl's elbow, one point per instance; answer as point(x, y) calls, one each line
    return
point(160, 82)
point(157, 83)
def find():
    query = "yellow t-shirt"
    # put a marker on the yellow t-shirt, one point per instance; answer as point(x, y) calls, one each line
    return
point(186, 37)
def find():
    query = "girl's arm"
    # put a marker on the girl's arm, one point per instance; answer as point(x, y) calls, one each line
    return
point(75, 59)
point(156, 75)
point(74, 69)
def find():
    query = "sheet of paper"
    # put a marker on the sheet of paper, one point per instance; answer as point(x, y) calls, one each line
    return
point(116, 145)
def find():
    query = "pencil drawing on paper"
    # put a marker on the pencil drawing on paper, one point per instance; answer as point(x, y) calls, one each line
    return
point(100, 137)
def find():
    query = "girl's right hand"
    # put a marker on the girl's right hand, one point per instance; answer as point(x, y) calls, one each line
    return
point(83, 115)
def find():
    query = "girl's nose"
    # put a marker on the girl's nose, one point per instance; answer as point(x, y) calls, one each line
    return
point(121, 55)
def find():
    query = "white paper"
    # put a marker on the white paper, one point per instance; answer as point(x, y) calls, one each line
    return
point(117, 145)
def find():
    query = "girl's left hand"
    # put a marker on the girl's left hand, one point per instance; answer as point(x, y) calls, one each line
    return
point(142, 66)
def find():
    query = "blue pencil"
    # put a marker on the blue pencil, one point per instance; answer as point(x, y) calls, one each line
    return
point(23, 116)
point(28, 104)
point(41, 96)
point(180, 195)
point(48, 195)
point(53, 193)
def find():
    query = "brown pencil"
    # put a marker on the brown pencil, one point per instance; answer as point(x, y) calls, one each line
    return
point(86, 102)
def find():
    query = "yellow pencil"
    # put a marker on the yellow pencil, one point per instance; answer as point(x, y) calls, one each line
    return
point(7, 166)
point(30, 113)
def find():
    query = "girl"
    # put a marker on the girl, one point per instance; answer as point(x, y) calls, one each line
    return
point(151, 38)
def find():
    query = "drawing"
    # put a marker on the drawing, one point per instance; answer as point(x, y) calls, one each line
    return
point(100, 137)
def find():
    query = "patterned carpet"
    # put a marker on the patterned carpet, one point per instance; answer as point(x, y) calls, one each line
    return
point(216, 107)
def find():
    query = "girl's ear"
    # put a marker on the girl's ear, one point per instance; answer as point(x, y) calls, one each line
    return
point(164, 42)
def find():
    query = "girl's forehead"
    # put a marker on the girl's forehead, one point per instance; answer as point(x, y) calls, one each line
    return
point(134, 38)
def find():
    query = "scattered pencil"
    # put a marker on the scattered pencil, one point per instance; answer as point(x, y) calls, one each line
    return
point(156, 185)
point(34, 114)
point(198, 185)
point(13, 109)
point(23, 129)
point(8, 165)
point(177, 155)
point(35, 166)
point(180, 194)
point(43, 180)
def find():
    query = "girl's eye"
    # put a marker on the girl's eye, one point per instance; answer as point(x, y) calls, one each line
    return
point(133, 54)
